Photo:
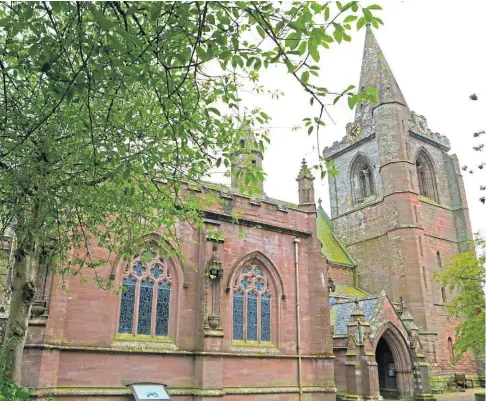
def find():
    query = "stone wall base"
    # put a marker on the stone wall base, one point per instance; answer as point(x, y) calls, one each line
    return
point(290, 393)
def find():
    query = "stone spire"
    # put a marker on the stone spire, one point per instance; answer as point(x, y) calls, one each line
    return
point(306, 185)
point(376, 73)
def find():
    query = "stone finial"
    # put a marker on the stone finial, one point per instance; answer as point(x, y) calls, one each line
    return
point(306, 185)
point(356, 310)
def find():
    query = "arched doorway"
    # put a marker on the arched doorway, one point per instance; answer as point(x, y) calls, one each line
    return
point(386, 370)
point(394, 362)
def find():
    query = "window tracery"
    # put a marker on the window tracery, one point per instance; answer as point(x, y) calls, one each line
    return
point(145, 298)
point(251, 306)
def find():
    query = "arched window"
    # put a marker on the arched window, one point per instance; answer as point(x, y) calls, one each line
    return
point(426, 176)
point(252, 306)
point(145, 298)
point(451, 350)
point(361, 179)
point(439, 260)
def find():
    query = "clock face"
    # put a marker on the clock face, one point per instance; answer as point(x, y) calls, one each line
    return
point(353, 131)
point(421, 124)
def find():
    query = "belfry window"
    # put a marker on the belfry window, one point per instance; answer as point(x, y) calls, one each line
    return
point(361, 179)
point(251, 306)
point(426, 176)
point(145, 298)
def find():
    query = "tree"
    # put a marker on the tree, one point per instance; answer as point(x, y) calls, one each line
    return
point(464, 276)
point(108, 109)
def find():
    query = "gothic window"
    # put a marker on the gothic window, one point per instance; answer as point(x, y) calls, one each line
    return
point(145, 298)
point(251, 306)
point(361, 179)
point(426, 176)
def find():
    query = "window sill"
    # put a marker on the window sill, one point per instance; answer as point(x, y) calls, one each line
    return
point(144, 341)
point(254, 346)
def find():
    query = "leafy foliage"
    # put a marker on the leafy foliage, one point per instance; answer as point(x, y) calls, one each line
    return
point(9, 391)
point(107, 108)
point(464, 276)
point(109, 111)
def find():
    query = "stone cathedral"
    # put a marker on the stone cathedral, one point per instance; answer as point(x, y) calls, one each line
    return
point(303, 307)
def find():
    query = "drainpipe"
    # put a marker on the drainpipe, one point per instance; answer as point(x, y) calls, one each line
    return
point(297, 307)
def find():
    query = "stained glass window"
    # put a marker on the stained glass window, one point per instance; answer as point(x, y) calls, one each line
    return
point(238, 309)
point(145, 307)
point(163, 306)
point(265, 319)
point(251, 306)
point(251, 317)
point(142, 282)
point(127, 304)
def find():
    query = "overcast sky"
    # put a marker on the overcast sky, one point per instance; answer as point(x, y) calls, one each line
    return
point(436, 52)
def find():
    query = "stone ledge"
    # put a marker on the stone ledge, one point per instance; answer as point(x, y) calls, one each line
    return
point(152, 350)
point(209, 392)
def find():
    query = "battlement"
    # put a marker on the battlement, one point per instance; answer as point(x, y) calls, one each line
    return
point(432, 137)
point(337, 147)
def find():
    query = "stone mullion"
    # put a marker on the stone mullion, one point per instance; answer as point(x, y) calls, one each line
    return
point(136, 306)
point(154, 307)
point(245, 312)
point(259, 317)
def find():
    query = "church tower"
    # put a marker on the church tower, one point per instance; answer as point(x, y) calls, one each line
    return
point(248, 155)
point(398, 203)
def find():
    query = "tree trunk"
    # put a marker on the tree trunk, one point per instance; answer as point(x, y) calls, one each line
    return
point(22, 296)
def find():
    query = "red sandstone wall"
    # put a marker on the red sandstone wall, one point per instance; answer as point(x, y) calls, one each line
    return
point(342, 275)
point(82, 323)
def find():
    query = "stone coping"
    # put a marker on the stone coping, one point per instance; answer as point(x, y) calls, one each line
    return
point(208, 392)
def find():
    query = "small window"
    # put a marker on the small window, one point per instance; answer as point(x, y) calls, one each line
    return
point(252, 306)
point(439, 260)
point(450, 348)
point(145, 298)
point(444, 295)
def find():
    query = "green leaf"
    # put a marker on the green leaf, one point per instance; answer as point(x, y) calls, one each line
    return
point(326, 13)
point(351, 102)
point(350, 18)
point(354, 7)
point(338, 35)
point(305, 77)
point(367, 14)
point(302, 48)
point(99, 16)
point(155, 10)
point(361, 22)
point(374, 7)
point(70, 93)
point(292, 40)
point(261, 31)
point(313, 50)
point(213, 110)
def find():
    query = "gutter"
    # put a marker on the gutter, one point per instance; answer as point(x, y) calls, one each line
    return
point(297, 308)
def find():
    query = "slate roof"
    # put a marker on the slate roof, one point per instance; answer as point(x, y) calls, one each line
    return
point(340, 313)
point(332, 249)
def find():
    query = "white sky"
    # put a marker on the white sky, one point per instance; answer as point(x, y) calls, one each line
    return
point(435, 51)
